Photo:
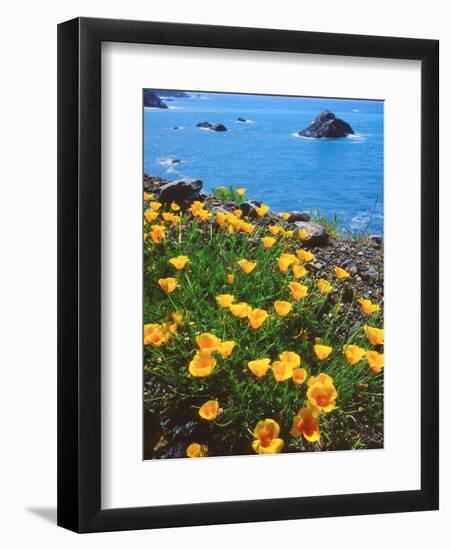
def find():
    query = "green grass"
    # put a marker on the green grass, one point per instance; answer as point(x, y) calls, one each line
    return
point(356, 421)
point(229, 193)
point(333, 227)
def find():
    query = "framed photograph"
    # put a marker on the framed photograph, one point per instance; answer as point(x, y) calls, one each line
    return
point(248, 226)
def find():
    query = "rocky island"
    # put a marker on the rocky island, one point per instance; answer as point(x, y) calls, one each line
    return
point(215, 127)
point(151, 99)
point(326, 125)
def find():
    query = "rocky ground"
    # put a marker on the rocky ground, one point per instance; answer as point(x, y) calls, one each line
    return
point(362, 258)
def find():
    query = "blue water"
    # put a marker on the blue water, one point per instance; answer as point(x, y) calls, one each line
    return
point(335, 176)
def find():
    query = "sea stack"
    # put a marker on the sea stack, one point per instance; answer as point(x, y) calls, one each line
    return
point(326, 125)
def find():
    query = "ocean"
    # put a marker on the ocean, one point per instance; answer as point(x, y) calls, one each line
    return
point(342, 177)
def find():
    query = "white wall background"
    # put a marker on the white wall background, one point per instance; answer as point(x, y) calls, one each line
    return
point(28, 269)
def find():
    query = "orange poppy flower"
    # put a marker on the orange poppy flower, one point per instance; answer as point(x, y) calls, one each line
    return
point(150, 216)
point(306, 424)
point(266, 437)
point(299, 271)
point(207, 341)
point(305, 255)
point(268, 242)
point(209, 410)
point(290, 357)
point(154, 205)
point(241, 309)
point(282, 308)
point(285, 261)
point(282, 370)
point(259, 367)
point(367, 307)
point(321, 392)
point(169, 284)
point(153, 335)
point(196, 450)
point(157, 233)
point(375, 360)
point(374, 335)
point(225, 348)
point(202, 364)
point(257, 317)
point(322, 352)
point(224, 300)
point(354, 354)
point(246, 266)
point(341, 273)
point(179, 262)
point(324, 286)
point(298, 291)
point(299, 376)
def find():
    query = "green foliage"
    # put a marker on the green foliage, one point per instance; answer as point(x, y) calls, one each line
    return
point(229, 193)
point(331, 225)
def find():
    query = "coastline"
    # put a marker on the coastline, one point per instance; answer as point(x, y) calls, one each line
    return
point(362, 257)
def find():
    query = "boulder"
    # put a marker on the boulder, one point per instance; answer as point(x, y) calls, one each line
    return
point(219, 128)
point(240, 119)
point(217, 209)
point(317, 234)
point(375, 241)
point(368, 273)
point(299, 217)
point(175, 161)
point(153, 183)
point(183, 191)
point(153, 100)
point(204, 125)
point(326, 125)
point(249, 208)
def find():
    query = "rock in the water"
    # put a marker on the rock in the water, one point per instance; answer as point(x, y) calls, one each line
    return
point(240, 119)
point(326, 125)
point(175, 161)
point(153, 100)
point(374, 241)
point(181, 191)
point(216, 127)
point(219, 128)
point(299, 217)
point(317, 234)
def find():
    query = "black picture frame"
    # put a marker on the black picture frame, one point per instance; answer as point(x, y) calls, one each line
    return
point(79, 274)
